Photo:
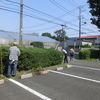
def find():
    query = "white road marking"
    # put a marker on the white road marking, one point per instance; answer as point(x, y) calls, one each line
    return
point(86, 67)
point(30, 90)
point(88, 79)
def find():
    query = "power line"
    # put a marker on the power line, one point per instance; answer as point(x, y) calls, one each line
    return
point(42, 13)
point(8, 4)
point(43, 19)
point(9, 8)
point(32, 16)
point(69, 3)
point(37, 11)
point(62, 8)
point(73, 2)
point(36, 17)
point(12, 2)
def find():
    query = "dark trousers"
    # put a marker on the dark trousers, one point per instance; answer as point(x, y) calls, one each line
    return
point(65, 58)
point(71, 56)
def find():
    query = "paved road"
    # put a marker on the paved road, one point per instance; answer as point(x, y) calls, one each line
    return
point(95, 64)
point(76, 83)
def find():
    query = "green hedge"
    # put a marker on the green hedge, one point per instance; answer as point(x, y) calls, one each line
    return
point(32, 57)
point(95, 54)
point(88, 53)
point(37, 44)
point(82, 46)
point(84, 54)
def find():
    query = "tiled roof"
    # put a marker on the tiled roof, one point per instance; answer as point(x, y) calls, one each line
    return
point(88, 37)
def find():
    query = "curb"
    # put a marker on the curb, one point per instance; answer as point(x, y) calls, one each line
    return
point(69, 66)
point(26, 76)
point(2, 81)
point(43, 72)
point(59, 68)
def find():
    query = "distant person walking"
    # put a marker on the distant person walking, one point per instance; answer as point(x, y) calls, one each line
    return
point(65, 55)
point(71, 53)
point(14, 52)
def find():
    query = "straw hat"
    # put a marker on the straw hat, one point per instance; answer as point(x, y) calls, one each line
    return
point(15, 43)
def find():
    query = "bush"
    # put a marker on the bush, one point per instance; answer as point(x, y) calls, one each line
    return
point(86, 46)
point(32, 58)
point(83, 46)
point(84, 54)
point(95, 54)
point(37, 44)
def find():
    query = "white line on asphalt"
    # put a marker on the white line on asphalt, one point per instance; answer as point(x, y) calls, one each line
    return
point(88, 79)
point(86, 67)
point(30, 90)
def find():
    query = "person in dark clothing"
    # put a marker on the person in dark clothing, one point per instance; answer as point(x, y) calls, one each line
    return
point(65, 55)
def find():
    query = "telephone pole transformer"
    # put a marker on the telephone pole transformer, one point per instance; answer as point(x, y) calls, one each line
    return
point(21, 22)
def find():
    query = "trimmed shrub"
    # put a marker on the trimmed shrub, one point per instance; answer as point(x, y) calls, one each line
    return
point(37, 44)
point(95, 54)
point(33, 57)
point(84, 54)
point(86, 46)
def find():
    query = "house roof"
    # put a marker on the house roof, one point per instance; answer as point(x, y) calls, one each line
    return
point(26, 37)
point(88, 37)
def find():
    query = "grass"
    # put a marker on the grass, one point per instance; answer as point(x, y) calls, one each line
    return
point(2, 76)
point(92, 59)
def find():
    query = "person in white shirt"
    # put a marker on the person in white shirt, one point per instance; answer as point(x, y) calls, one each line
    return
point(65, 55)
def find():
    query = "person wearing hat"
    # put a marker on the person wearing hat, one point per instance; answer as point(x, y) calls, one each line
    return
point(14, 52)
point(71, 53)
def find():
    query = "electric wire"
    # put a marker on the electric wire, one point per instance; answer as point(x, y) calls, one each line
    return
point(62, 8)
point(32, 16)
point(73, 2)
point(27, 14)
point(8, 3)
point(9, 8)
point(43, 13)
point(73, 5)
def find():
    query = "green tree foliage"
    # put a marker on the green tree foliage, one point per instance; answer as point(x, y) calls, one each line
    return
point(60, 35)
point(46, 34)
point(95, 11)
point(37, 44)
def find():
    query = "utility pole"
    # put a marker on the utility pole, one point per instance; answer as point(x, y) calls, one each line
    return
point(80, 17)
point(21, 22)
point(80, 26)
point(63, 30)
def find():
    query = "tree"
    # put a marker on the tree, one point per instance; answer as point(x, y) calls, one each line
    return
point(46, 34)
point(60, 35)
point(95, 11)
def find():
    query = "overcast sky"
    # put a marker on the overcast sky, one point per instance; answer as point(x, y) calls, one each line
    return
point(40, 16)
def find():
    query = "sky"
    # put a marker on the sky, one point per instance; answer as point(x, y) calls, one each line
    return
point(41, 16)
